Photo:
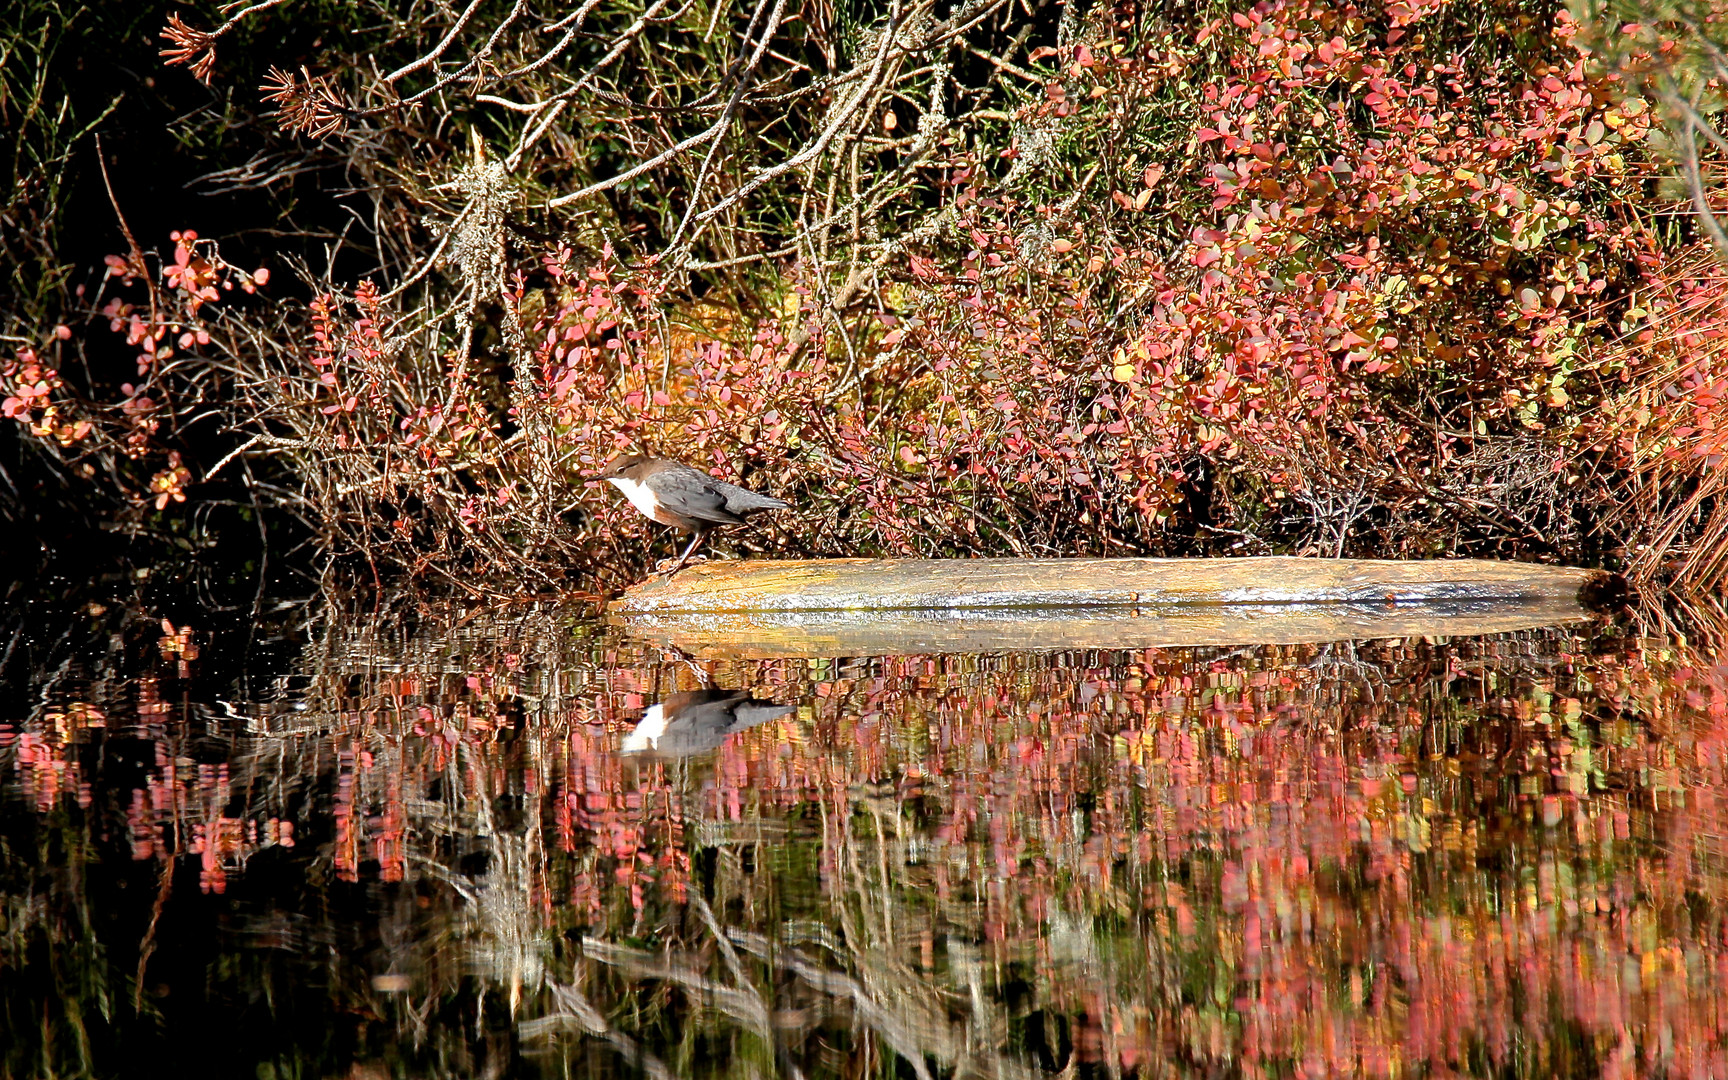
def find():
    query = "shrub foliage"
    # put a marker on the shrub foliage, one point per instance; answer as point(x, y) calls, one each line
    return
point(1398, 279)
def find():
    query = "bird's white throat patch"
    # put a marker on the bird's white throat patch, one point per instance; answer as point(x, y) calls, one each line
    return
point(641, 496)
point(648, 729)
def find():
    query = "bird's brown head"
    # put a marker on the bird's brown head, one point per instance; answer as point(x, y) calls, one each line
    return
point(624, 465)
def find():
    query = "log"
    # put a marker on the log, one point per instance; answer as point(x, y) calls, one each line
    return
point(861, 607)
point(815, 634)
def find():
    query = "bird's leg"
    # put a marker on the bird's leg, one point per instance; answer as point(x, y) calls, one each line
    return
point(696, 538)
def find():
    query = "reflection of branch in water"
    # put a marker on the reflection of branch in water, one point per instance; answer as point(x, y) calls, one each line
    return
point(911, 1030)
point(733, 966)
point(899, 1032)
point(741, 1003)
point(147, 947)
point(1325, 664)
point(575, 1010)
point(503, 934)
point(688, 661)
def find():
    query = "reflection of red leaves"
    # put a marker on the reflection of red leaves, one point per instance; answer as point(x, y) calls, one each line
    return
point(1239, 805)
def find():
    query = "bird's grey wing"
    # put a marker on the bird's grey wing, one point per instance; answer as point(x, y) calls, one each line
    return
point(744, 501)
point(747, 714)
point(693, 495)
point(705, 717)
point(700, 720)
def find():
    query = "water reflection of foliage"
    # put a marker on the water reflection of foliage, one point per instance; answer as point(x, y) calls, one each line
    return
point(1483, 857)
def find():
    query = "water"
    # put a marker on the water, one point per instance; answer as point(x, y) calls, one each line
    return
point(425, 853)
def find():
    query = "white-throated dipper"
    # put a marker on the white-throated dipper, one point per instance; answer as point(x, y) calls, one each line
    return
point(698, 721)
point(679, 496)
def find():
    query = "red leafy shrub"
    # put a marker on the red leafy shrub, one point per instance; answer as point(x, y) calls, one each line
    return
point(1311, 277)
point(1664, 428)
point(1404, 258)
point(1369, 334)
point(162, 310)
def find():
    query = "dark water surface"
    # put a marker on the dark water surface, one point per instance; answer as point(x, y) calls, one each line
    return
point(474, 847)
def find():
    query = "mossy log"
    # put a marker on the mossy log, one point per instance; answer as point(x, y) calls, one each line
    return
point(852, 607)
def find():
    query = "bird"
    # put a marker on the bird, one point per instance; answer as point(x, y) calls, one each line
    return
point(675, 494)
point(698, 721)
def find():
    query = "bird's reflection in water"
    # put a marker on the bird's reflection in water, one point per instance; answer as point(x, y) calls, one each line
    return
point(698, 721)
